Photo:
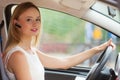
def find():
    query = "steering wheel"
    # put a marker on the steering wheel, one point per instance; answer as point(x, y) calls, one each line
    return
point(98, 66)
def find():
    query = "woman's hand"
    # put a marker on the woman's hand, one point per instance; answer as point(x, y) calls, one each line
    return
point(103, 46)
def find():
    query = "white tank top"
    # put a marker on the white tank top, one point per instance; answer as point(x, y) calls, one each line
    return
point(35, 66)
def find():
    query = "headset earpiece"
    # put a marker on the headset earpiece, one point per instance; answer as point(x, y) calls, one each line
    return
point(17, 25)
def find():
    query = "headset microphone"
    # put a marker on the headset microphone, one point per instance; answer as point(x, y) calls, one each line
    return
point(17, 25)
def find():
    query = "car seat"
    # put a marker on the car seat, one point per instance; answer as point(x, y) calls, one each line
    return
point(4, 25)
point(3, 75)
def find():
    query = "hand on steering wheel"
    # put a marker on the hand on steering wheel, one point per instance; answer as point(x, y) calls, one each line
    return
point(98, 66)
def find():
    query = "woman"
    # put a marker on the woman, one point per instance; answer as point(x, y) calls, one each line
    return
point(22, 59)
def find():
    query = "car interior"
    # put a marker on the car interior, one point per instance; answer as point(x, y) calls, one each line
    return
point(81, 9)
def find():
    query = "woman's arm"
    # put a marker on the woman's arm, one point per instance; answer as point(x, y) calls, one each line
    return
point(53, 62)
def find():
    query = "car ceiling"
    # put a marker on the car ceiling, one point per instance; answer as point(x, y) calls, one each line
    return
point(73, 7)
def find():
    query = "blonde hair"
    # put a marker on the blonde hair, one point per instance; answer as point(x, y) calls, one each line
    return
point(14, 36)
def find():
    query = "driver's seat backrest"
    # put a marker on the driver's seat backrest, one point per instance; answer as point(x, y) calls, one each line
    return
point(7, 15)
point(3, 75)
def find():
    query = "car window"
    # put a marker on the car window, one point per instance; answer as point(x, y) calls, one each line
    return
point(64, 35)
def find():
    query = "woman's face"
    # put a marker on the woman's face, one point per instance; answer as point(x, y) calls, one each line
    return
point(30, 22)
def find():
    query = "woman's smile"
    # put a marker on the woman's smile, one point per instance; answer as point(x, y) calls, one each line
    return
point(34, 30)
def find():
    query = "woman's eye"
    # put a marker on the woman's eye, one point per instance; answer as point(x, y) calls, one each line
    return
point(29, 19)
point(37, 19)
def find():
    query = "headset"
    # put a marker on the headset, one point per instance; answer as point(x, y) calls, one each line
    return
point(17, 25)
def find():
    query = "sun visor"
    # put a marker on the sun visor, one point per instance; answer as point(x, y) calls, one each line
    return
point(80, 5)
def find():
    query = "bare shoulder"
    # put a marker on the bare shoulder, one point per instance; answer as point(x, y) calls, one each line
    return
point(17, 55)
point(16, 59)
point(18, 64)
